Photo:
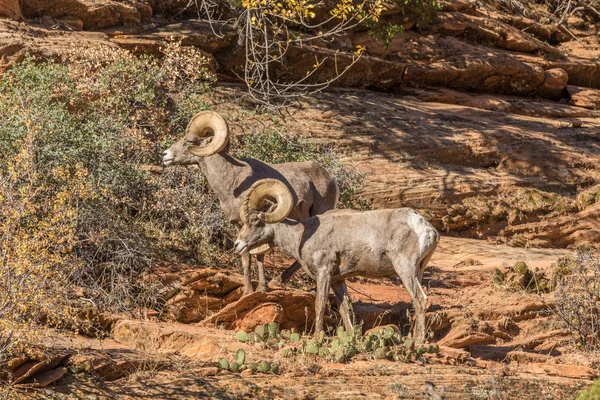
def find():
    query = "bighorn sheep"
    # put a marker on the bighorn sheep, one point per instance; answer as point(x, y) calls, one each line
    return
point(313, 190)
point(342, 243)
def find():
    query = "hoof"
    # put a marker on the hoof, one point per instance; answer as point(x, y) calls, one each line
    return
point(262, 289)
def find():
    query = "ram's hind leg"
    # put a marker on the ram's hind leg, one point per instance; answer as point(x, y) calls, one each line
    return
point(408, 272)
point(344, 304)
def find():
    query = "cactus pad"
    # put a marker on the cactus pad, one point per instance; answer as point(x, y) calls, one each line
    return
point(240, 356)
point(312, 348)
point(323, 352)
point(234, 367)
point(380, 353)
point(223, 363)
point(520, 268)
point(260, 331)
point(273, 329)
point(285, 334)
point(264, 366)
point(241, 336)
point(387, 333)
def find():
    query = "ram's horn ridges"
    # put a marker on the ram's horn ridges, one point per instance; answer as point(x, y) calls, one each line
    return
point(262, 190)
point(200, 125)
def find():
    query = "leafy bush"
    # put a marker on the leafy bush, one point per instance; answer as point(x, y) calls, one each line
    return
point(81, 218)
point(578, 299)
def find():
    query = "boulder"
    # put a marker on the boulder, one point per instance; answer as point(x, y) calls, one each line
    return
point(192, 293)
point(555, 82)
point(10, 9)
point(46, 378)
point(290, 309)
point(584, 97)
point(93, 14)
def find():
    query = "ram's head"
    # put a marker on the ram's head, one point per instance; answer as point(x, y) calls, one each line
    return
point(198, 142)
point(268, 201)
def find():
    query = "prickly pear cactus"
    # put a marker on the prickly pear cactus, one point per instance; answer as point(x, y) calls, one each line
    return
point(253, 366)
point(241, 336)
point(520, 268)
point(234, 367)
point(223, 363)
point(339, 356)
point(294, 337)
point(285, 334)
point(274, 369)
point(335, 344)
point(323, 352)
point(240, 356)
point(260, 331)
point(321, 337)
point(351, 351)
point(433, 349)
point(273, 329)
point(312, 348)
point(387, 333)
point(253, 337)
point(264, 366)
point(498, 277)
point(421, 350)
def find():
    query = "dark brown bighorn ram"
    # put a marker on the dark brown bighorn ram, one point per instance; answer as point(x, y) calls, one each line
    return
point(313, 190)
point(343, 243)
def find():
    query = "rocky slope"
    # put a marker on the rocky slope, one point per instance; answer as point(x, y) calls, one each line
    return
point(488, 123)
point(491, 341)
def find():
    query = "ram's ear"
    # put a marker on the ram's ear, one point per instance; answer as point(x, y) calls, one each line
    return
point(300, 205)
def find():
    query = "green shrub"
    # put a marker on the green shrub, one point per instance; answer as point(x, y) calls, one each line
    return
point(99, 121)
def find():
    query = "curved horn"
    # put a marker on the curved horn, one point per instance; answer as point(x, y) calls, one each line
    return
point(262, 190)
point(200, 125)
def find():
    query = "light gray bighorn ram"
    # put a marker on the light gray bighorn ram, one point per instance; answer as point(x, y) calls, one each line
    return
point(313, 190)
point(343, 243)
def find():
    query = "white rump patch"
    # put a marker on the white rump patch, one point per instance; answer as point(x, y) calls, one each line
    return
point(421, 228)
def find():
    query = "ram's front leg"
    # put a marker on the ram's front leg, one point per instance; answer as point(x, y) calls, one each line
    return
point(260, 264)
point(323, 277)
point(247, 276)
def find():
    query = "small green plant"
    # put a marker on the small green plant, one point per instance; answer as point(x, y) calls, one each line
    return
point(240, 357)
point(521, 277)
point(344, 346)
point(240, 364)
point(593, 393)
point(241, 336)
point(386, 33)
